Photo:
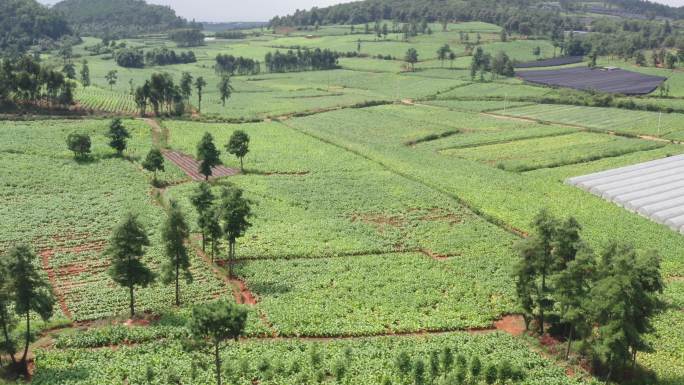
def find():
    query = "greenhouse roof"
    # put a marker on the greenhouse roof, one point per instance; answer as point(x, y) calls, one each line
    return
point(653, 189)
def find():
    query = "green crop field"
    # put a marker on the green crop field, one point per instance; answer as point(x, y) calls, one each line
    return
point(387, 202)
point(667, 126)
point(553, 151)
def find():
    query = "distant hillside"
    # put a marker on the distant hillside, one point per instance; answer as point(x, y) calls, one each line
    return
point(648, 9)
point(25, 22)
point(118, 18)
point(541, 16)
point(527, 16)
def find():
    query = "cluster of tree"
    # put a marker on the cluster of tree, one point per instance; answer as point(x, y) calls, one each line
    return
point(164, 56)
point(607, 301)
point(187, 37)
point(163, 95)
point(444, 52)
point(130, 58)
point(499, 65)
point(26, 81)
point(445, 367)
point(301, 60)
point(166, 97)
point(232, 35)
point(666, 59)
point(117, 135)
point(118, 18)
point(522, 16)
point(24, 23)
point(406, 30)
point(230, 65)
point(625, 39)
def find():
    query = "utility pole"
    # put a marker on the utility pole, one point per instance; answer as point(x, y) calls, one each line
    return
point(660, 115)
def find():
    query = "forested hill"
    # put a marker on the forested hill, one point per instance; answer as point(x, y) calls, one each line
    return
point(515, 15)
point(118, 18)
point(541, 16)
point(648, 8)
point(38, 24)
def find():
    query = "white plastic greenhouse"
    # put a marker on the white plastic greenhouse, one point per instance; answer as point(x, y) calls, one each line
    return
point(653, 189)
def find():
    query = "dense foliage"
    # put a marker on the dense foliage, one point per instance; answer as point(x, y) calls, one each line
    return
point(27, 81)
point(188, 37)
point(118, 18)
point(24, 23)
point(516, 16)
point(301, 60)
point(164, 56)
point(229, 64)
point(130, 58)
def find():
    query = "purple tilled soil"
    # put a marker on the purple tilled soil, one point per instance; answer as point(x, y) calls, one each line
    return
point(616, 81)
point(190, 166)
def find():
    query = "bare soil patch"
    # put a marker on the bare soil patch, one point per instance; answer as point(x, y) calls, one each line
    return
point(437, 214)
point(380, 221)
point(511, 324)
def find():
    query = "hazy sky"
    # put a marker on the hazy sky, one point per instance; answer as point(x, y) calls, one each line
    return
point(255, 10)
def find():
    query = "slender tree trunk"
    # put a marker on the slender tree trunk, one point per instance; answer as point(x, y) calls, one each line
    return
point(242, 167)
point(634, 358)
point(217, 359)
point(7, 338)
point(28, 338)
point(177, 287)
point(541, 305)
point(132, 304)
point(204, 249)
point(567, 351)
point(230, 259)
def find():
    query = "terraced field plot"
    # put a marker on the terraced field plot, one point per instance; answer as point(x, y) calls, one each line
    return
point(554, 151)
point(509, 198)
point(667, 126)
point(485, 90)
point(43, 195)
point(387, 293)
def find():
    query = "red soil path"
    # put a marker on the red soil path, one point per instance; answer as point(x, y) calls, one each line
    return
point(45, 258)
point(190, 166)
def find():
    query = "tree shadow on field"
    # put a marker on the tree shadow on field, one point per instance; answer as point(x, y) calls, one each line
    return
point(86, 159)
